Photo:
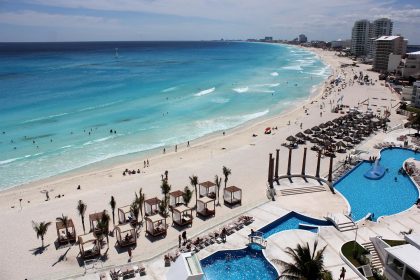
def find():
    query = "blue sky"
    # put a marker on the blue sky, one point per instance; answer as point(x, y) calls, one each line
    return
point(91, 20)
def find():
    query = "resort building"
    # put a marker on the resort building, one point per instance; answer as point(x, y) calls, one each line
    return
point(382, 27)
point(384, 46)
point(411, 94)
point(340, 44)
point(303, 38)
point(359, 37)
point(412, 65)
point(365, 33)
point(402, 262)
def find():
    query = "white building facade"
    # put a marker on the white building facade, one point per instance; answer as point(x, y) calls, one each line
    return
point(412, 65)
point(384, 46)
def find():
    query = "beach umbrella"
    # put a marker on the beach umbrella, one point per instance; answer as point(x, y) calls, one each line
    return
point(314, 140)
point(308, 131)
point(323, 126)
point(347, 139)
point(291, 138)
point(300, 135)
point(329, 123)
point(315, 128)
point(330, 133)
point(340, 144)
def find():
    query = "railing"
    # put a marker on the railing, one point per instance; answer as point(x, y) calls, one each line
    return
point(257, 237)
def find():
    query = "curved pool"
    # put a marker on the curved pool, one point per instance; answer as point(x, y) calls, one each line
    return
point(293, 220)
point(243, 264)
point(391, 194)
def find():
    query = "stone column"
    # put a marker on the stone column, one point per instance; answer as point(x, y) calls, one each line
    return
point(318, 165)
point(276, 177)
point(330, 170)
point(270, 170)
point(289, 163)
point(304, 161)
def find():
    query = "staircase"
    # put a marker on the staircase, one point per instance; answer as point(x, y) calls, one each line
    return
point(341, 222)
point(294, 191)
point(376, 261)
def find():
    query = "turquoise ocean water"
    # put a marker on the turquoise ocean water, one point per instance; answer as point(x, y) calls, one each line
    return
point(59, 101)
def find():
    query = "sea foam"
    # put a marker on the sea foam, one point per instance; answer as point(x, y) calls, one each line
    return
point(205, 92)
point(241, 89)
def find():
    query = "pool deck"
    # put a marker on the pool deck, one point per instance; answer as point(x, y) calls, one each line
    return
point(316, 205)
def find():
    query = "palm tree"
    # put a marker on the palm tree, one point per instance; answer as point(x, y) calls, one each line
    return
point(64, 220)
point(194, 183)
point(165, 188)
point(113, 203)
point(226, 172)
point(306, 264)
point(187, 195)
point(140, 200)
point(163, 207)
point(81, 207)
point(40, 230)
point(135, 209)
point(103, 225)
point(218, 182)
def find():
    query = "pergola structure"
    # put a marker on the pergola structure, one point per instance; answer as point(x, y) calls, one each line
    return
point(232, 195)
point(124, 214)
point(126, 235)
point(64, 236)
point(156, 225)
point(182, 215)
point(204, 206)
point(176, 198)
point(207, 188)
point(93, 221)
point(89, 245)
point(151, 206)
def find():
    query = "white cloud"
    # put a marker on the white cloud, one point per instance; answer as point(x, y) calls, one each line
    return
point(32, 18)
point(319, 19)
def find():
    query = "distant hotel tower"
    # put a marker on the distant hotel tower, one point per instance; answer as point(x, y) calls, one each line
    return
point(364, 34)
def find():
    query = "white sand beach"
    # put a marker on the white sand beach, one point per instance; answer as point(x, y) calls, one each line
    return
point(245, 155)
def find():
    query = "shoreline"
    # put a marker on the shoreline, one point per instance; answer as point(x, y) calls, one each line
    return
point(314, 93)
point(246, 156)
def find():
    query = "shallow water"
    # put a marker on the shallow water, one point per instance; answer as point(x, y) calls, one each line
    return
point(59, 101)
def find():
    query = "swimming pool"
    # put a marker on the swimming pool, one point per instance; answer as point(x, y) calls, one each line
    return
point(293, 220)
point(244, 264)
point(250, 263)
point(382, 197)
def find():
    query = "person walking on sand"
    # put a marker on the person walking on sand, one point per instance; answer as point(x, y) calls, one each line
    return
point(129, 254)
point(342, 274)
point(179, 241)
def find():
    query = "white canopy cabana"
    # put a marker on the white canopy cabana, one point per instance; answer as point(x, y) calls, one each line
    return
point(89, 245)
point(151, 206)
point(156, 225)
point(232, 195)
point(182, 215)
point(126, 235)
point(176, 198)
point(124, 214)
point(207, 188)
point(63, 236)
point(204, 206)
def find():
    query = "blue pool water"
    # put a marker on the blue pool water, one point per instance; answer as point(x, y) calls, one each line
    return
point(250, 263)
point(59, 101)
point(384, 196)
point(292, 221)
point(244, 264)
